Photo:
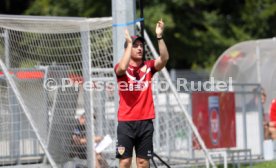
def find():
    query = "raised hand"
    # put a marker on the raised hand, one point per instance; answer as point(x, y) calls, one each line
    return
point(159, 28)
point(127, 36)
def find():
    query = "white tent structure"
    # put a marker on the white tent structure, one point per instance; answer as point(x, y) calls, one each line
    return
point(249, 62)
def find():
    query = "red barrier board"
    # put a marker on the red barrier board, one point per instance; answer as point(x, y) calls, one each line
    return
point(214, 116)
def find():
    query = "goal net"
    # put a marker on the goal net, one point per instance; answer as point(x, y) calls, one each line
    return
point(54, 71)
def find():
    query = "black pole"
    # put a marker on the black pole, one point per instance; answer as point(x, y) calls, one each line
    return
point(142, 17)
point(142, 24)
point(168, 166)
point(154, 164)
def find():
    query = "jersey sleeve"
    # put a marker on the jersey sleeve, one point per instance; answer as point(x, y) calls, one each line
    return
point(150, 63)
point(115, 68)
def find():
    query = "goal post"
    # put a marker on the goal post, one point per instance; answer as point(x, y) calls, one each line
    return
point(61, 68)
point(49, 58)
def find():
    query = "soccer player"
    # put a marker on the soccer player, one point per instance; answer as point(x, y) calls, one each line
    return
point(136, 108)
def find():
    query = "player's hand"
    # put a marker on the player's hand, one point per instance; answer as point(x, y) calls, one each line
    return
point(98, 139)
point(127, 36)
point(159, 28)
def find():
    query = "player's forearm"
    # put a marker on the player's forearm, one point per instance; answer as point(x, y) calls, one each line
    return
point(124, 62)
point(123, 65)
point(161, 61)
point(164, 54)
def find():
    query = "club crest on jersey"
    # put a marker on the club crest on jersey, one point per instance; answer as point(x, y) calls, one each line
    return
point(121, 150)
point(144, 68)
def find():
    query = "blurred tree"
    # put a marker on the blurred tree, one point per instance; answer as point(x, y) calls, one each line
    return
point(83, 8)
point(197, 32)
point(14, 6)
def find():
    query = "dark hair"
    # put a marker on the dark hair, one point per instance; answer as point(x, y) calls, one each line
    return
point(134, 39)
point(260, 90)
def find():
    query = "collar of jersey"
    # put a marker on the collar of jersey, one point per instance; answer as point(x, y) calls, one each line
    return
point(136, 67)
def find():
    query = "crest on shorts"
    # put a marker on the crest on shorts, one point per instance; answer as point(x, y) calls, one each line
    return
point(121, 150)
